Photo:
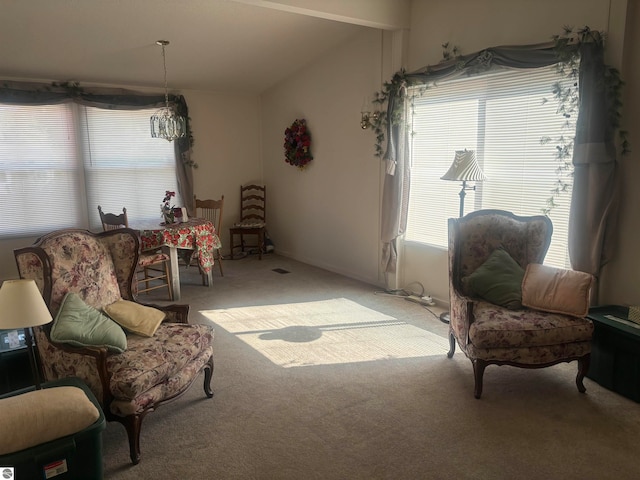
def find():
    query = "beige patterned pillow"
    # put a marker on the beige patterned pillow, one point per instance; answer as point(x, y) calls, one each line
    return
point(135, 318)
point(556, 290)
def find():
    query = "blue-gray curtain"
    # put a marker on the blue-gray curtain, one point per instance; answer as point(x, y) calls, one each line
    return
point(592, 216)
point(29, 93)
point(593, 219)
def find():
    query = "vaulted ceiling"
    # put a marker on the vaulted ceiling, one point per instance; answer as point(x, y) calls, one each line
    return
point(218, 45)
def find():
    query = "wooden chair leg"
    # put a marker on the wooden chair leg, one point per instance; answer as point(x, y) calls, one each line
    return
point(583, 369)
point(208, 375)
point(260, 244)
point(146, 279)
point(478, 372)
point(452, 345)
point(168, 280)
point(219, 259)
point(133, 424)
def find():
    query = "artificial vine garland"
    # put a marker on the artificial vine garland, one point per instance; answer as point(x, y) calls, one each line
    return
point(297, 144)
point(566, 47)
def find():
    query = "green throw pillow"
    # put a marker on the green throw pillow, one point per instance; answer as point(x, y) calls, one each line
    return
point(498, 280)
point(82, 325)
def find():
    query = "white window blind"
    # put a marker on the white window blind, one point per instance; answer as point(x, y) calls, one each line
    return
point(124, 166)
point(59, 162)
point(40, 182)
point(502, 116)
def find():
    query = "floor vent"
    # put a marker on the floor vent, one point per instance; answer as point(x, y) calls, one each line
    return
point(281, 270)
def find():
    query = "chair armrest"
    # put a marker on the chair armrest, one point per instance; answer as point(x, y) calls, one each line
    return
point(460, 317)
point(176, 313)
point(59, 360)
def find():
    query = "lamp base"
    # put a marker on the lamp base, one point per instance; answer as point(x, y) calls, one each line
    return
point(32, 357)
point(444, 317)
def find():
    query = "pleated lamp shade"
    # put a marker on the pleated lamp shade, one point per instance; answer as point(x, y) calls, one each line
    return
point(464, 168)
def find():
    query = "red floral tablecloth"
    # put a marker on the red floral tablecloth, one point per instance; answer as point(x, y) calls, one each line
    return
point(195, 234)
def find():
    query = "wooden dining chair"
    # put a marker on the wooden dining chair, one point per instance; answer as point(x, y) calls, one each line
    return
point(153, 266)
point(253, 208)
point(111, 221)
point(211, 210)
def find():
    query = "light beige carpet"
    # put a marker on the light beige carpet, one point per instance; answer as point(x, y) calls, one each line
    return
point(373, 403)
point(326, 332)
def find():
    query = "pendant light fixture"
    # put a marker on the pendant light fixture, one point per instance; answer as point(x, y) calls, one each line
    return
point(165, 123)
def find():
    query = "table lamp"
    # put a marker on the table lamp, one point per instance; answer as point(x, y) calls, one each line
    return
point(464, 169)
point(22, 306)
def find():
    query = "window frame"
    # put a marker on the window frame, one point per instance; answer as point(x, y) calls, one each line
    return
point(68, 206)
point(419, 95)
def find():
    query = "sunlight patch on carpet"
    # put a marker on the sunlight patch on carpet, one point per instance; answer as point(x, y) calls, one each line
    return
point(326, 332)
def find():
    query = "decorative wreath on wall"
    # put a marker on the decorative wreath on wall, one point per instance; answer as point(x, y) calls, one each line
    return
point(297, 144)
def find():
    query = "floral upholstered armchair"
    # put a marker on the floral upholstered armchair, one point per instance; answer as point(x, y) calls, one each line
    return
point(508, 309)
point(132, 374)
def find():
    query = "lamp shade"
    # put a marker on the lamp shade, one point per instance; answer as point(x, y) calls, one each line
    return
point(464, 168)
point(22, 305)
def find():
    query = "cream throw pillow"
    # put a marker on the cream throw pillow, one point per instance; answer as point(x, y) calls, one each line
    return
point(135, 318)
point(556, 290)
point(43, 415)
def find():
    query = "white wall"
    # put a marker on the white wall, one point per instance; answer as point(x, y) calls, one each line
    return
point(226, 130)
point(472, 25)
point(327, 214)
point(620, 284)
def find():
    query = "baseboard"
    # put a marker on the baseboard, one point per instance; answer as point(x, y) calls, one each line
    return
point(330, 268)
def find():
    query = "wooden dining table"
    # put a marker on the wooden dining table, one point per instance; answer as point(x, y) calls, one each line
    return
point(195, 234)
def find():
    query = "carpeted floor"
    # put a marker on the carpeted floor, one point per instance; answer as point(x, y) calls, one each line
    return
point(324, 332)
point(320, 377)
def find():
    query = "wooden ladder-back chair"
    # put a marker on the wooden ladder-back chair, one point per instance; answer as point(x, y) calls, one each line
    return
point(253, 207)
point(211, 210)
point(153, 266)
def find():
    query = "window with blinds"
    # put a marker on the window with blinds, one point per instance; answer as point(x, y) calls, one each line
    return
point(59, 162)
point(124, 166)
point(503, 116)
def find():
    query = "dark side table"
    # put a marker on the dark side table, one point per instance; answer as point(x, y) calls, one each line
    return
point(615, 350)
point(15, 370)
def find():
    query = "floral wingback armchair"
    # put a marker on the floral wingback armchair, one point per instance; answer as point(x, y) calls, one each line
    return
point(153, 369)
point(508, 333)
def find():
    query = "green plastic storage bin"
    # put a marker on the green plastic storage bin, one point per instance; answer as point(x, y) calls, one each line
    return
point(74, 457)
point(615, 351)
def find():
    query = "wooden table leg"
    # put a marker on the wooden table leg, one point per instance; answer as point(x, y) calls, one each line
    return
point(175, 273)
